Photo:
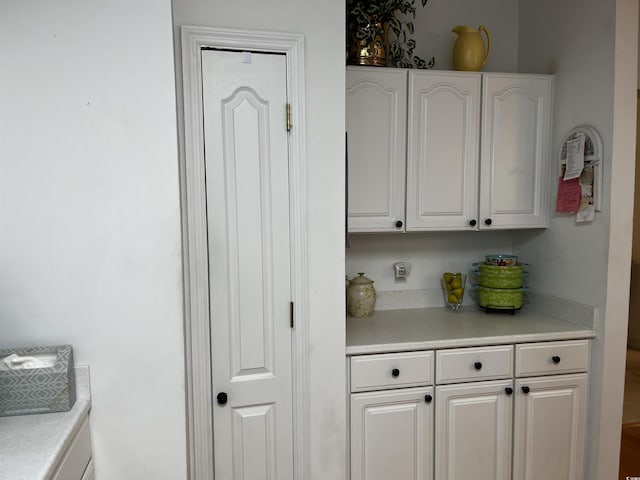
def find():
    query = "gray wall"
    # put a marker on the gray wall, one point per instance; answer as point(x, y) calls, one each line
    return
point(90, 215)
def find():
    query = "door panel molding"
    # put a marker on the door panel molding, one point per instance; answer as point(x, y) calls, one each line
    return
point(197, 330)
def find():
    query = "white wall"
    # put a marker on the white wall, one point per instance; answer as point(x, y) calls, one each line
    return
point(434, 22)
point(90, 215)
point(430, 254)
point(573, 257)
point(322, 24)
point(590, 263)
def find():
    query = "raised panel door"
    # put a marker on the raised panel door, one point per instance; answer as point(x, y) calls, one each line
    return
point(376, 148)
point(473, 431)
point(549, 428)
point(247, 172)
point(515, 151)
point(392, 435)
point(442, 156)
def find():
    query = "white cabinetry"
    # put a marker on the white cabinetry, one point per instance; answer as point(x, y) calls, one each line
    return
point(391, 427)
point(501, 412)
point(76, 461)
point(451, 182)
point(376, 121)
point(514, 172)
point(550, 411)
point(473, 431)
point(474, 418)
point(443, 150)
point(391, 434)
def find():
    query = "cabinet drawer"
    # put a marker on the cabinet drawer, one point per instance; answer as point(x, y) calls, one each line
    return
point(391, 370)
point(549, 358)
point(472, 364)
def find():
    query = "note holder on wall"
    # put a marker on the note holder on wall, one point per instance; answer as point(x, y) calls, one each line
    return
point(580, 170)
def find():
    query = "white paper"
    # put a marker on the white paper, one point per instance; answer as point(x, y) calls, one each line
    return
point(575, 157)
point(586, 214)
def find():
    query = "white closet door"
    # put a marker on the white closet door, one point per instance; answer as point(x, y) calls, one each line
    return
point(246, 162)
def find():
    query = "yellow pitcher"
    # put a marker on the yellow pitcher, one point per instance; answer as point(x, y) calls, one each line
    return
point(469, 52)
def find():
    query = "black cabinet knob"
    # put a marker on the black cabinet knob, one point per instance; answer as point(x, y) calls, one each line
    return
point(428, 398)
point(508, 390)
point(399, 224)
point(395, 372)
point(525, 389)
point(477, 365)
point(222, 398)
point(556, 359)
point(472, 222)
point(487, 221)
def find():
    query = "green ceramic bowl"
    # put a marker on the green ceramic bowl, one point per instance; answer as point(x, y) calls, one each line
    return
point(505, 271)
point(492, 280)
point(500, 298)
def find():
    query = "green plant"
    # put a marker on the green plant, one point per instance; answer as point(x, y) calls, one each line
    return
point(365, 18)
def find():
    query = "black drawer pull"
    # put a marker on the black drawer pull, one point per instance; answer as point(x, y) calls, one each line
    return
point(477, 365)
point(508, 390)
point(525, 389)
point(428, 398)
point(556, 359)
point(395, 373)
point(222, 398)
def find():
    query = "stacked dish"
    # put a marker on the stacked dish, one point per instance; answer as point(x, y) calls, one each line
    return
point(500, 282)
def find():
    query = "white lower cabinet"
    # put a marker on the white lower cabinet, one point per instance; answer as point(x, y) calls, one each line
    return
point(77, 456)
point(549, 428)
point(496, 413)
point(473, 431)
point(392, 434)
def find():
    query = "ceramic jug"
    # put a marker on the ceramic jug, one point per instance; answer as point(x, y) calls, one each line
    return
point(469, 53)
point(361, 296)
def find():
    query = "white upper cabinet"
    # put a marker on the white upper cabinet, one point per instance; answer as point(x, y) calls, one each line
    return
point(476, 157)
point(376, 101)
point(442, 155)
point(516, 122)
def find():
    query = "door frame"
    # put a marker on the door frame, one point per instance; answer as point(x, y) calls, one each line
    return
point(195, 251)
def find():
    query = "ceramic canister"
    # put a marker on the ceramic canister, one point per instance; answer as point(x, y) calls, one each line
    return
point(361, 296)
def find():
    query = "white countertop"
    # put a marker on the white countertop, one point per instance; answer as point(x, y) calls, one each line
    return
point(31, 446)
point(439, 327)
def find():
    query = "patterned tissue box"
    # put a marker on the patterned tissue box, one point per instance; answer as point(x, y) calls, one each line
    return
point(38, 390)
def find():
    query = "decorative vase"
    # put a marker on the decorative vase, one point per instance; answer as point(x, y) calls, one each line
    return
point(372, 49)
point(469, 53)
point(361, 296)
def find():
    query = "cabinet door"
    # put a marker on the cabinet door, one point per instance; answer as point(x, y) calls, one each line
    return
point(392, 435)
point(515, 153)
point(376, 142)
point(473, 431)
point(442, 157)
point(549, 428)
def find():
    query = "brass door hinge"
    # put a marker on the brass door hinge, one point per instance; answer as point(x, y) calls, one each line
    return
point(289, 117)
point(291, 314)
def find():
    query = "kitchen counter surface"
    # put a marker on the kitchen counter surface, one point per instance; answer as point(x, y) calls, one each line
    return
point(434, 328)
point(32, 446)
